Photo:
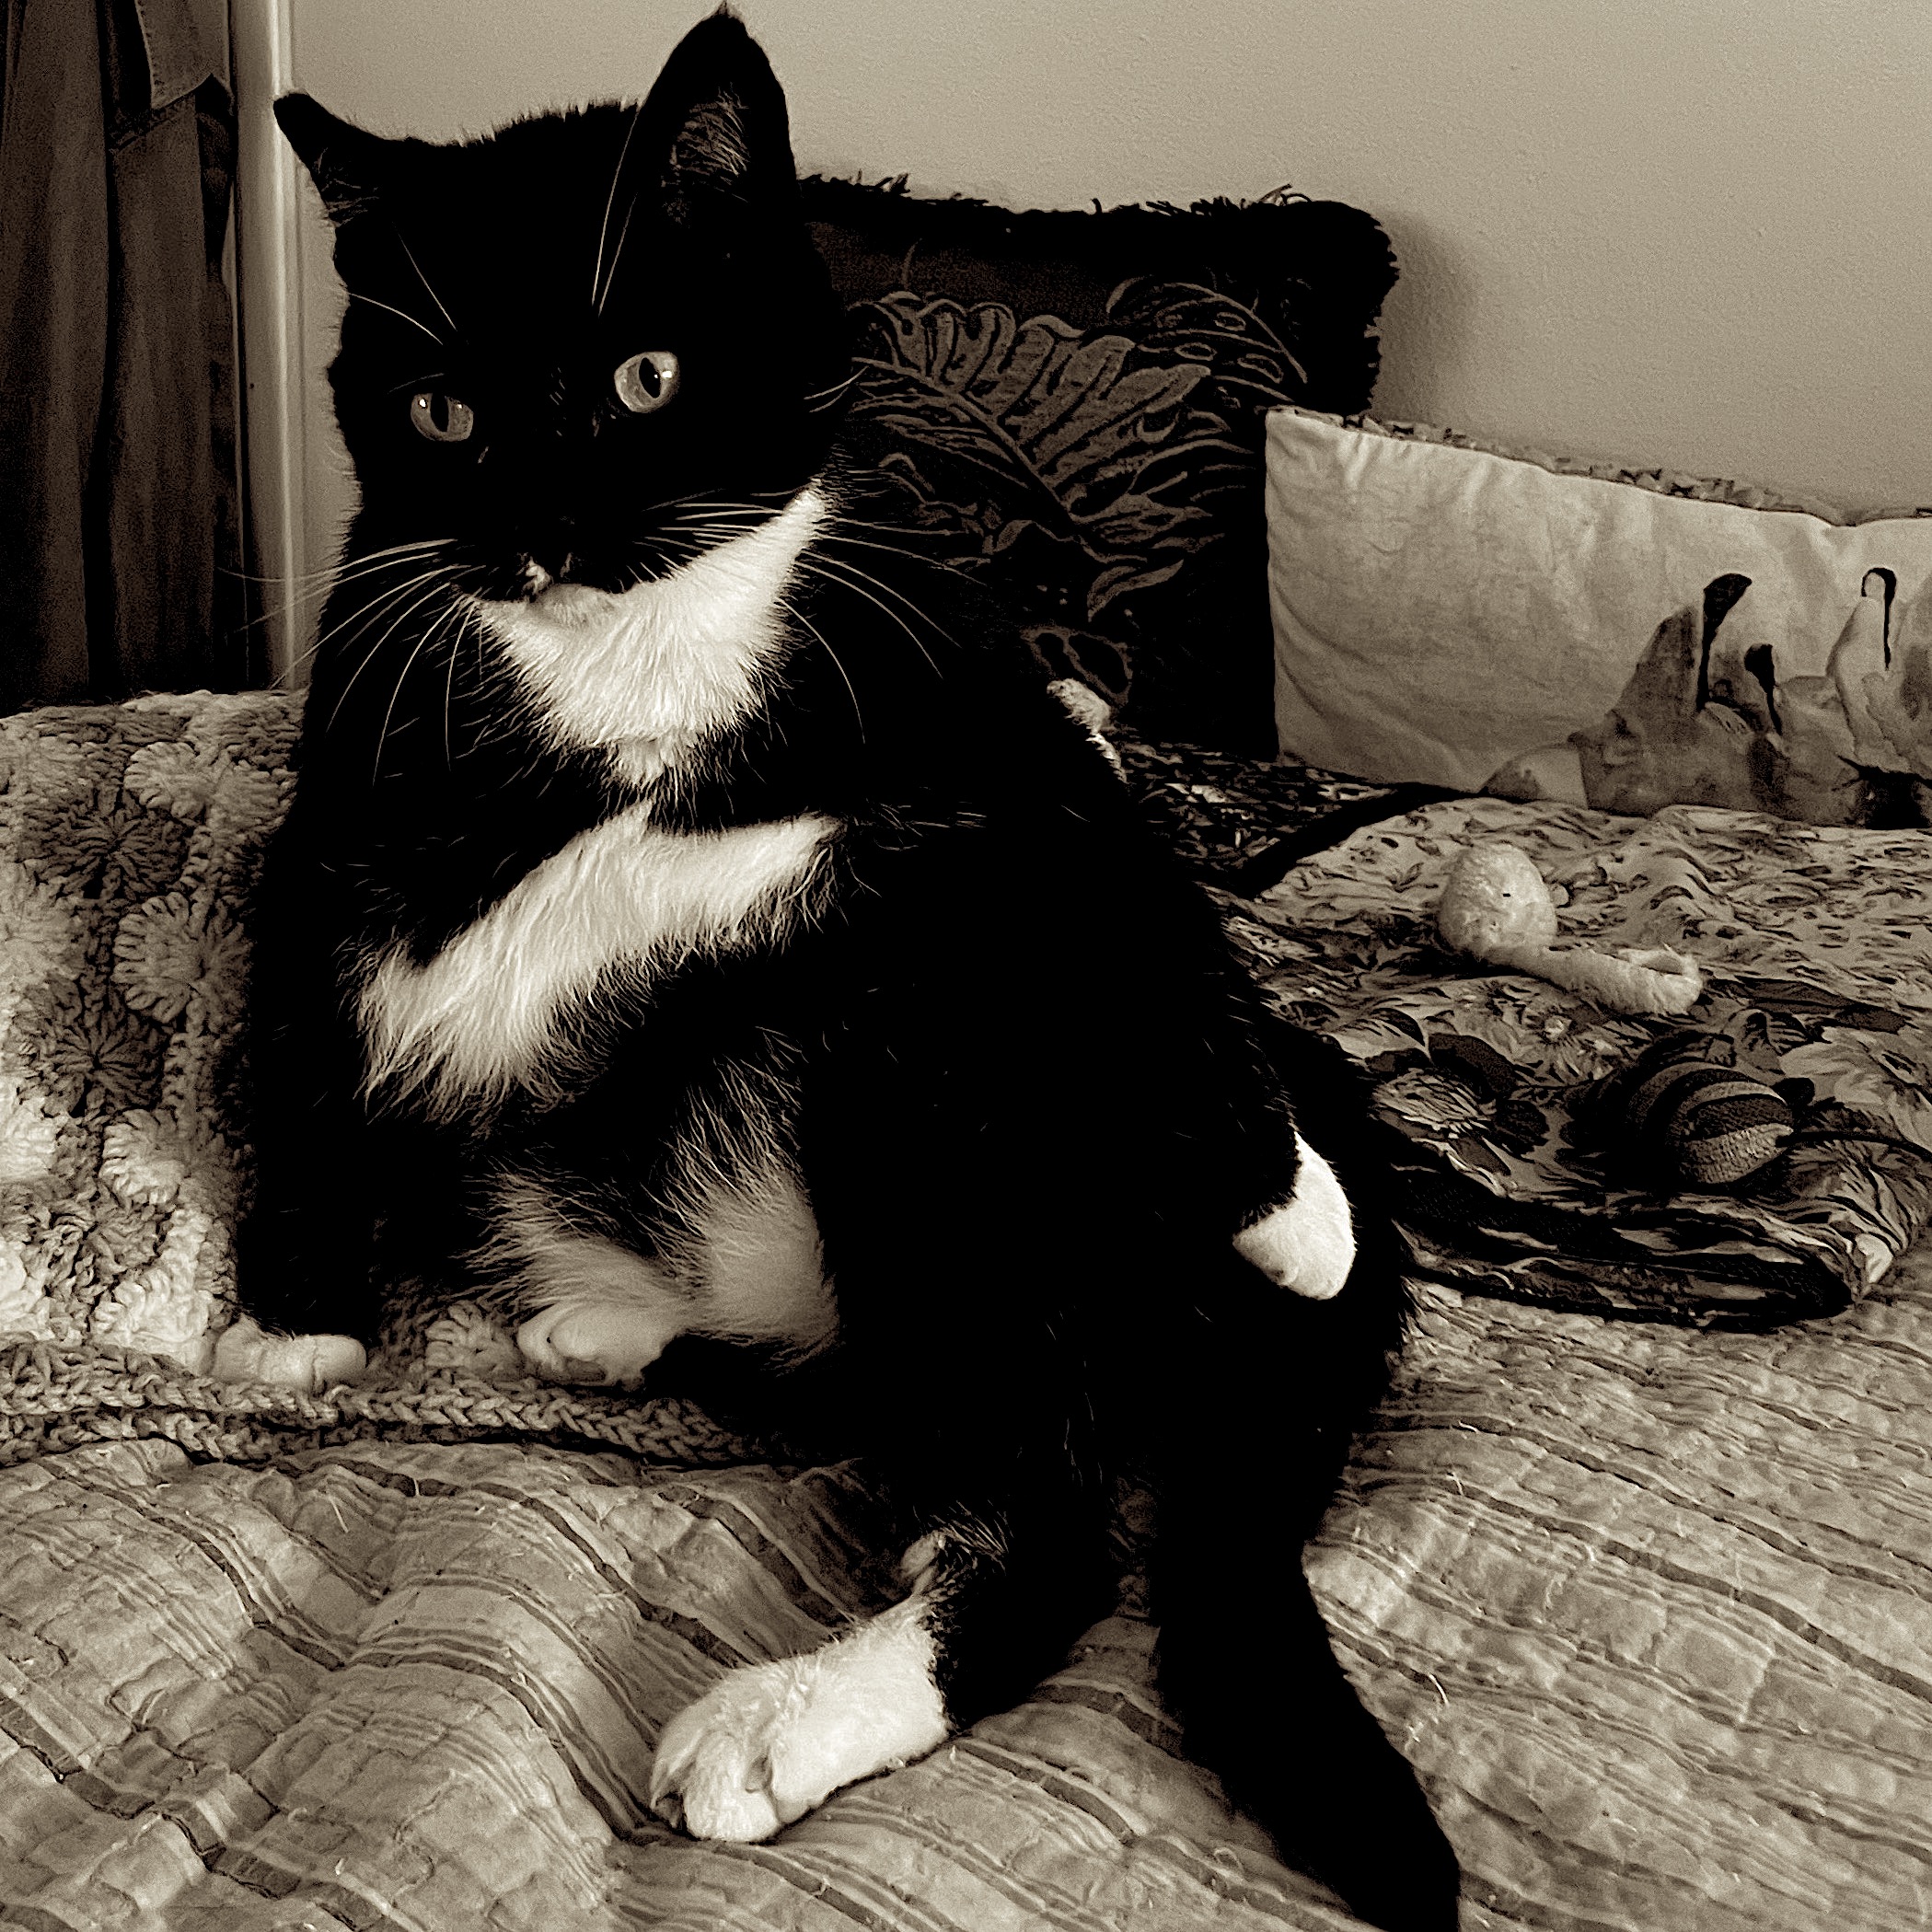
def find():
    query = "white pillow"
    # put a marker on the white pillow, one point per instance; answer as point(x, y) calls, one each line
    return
point(1452, 615)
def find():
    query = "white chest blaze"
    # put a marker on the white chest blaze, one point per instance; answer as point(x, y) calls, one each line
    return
point(482, 1015)
point(647, 673)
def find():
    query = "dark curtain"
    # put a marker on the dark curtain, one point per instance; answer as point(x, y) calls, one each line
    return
point(118, 512)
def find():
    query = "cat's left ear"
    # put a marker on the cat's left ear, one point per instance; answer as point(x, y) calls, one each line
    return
point(730, 137)
point(348, 166)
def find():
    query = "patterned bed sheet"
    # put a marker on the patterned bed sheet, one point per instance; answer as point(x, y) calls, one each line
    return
point(1817, 954)
point(1816, 946)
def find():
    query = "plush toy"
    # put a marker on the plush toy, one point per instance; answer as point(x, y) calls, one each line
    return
point(1679, 1117)
point(1497, 908)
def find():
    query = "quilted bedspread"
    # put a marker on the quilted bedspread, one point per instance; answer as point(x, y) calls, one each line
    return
point(1649, 1609)
point(1648, 1604)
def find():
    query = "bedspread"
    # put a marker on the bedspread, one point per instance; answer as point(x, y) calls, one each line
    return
point(1649, 1609)
point(1817, 958)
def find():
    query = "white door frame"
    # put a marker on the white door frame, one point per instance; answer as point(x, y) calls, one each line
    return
point(275, 411)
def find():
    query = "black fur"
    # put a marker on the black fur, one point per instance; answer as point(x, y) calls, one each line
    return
point(1030, 1092)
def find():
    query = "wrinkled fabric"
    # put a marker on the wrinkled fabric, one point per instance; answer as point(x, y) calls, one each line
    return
point(119, 502)
point(1647, 1609)
point(1452, 615)
point(1818, 976)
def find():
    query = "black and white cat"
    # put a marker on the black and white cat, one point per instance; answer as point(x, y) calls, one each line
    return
point(699, 933)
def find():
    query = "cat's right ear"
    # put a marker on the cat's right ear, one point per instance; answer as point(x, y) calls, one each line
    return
point(730, 142)
point(348, 166)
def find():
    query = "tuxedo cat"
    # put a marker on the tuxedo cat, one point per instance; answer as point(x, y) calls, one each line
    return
point(698, 934)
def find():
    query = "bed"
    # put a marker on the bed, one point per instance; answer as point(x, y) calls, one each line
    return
point(1640, 1584)
point(1634, 1563)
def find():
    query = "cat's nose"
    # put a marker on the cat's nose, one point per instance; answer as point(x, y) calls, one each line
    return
point(555, 551)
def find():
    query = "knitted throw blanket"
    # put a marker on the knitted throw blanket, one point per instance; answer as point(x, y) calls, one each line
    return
point(130, 837)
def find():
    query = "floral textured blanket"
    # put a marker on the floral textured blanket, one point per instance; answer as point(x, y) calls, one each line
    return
point(1817, 956)
point(130, 837)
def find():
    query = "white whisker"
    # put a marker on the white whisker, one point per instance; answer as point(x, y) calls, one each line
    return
point(436, 589)
point(837, 663)
point(824, 567)
point(425, 281)
point(617, 255)
point(405, 315)
point(368, 606)
point(465, 616)
point(408, 665)
point(322, 584)
point(361, 615)
point(597, 274)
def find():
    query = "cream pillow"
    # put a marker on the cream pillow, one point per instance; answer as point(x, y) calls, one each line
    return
point(1452, 615)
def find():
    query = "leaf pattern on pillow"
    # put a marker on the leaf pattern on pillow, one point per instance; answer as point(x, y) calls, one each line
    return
point(1191, 322)
point(1135, 556)
point(1105, 482)
point(1077, 433)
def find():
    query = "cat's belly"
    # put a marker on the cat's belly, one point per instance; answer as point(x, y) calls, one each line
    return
point(486, 1015)
point(747, 1266)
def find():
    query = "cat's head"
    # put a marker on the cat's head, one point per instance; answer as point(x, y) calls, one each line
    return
point(584, 347)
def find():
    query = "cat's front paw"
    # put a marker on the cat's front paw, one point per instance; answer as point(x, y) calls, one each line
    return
point(606, 1343)
point(245, 1352)
point(769, 1742)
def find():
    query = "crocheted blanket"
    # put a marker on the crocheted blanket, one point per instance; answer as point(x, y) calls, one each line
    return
point(130, 837)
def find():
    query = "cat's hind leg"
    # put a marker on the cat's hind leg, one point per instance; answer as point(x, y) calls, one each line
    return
point(1305, 1244)
point(963, 1390)
point(996, 1598)
point(614, 1243)
point(769, 1742)
point(589, 1308)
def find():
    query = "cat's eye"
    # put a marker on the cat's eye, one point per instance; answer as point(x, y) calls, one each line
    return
point(647, 381)
point(443, 418)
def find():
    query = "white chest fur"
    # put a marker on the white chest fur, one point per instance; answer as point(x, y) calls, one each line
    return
point(647, 673)
point(482, 1015)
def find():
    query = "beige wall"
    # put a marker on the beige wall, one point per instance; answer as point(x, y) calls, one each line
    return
point(1691, 232)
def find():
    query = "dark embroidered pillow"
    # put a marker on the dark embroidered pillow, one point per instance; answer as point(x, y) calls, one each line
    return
point(1071, 404)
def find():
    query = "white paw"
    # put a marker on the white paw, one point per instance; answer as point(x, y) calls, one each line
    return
point(1307, 1245)
point(243, 1352)
point(611, 1343)
point(769, 1741)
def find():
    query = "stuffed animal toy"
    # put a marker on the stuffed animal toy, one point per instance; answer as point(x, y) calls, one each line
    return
point(1679, 1119)
point(1497, 908)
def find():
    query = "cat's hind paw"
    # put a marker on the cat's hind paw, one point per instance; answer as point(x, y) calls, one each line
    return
point(245, 1352)
point(605, 1342)
point(1307, 1244)
point(769, 1742)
